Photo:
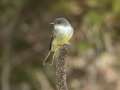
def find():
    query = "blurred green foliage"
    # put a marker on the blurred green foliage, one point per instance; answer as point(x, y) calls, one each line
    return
point(116, 7)
point(94, 18)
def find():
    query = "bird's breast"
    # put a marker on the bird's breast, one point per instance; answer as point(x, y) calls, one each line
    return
point(62, 30)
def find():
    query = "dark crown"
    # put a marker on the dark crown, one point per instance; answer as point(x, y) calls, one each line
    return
point(61, 21)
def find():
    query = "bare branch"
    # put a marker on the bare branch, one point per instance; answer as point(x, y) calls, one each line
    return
point(61, 83)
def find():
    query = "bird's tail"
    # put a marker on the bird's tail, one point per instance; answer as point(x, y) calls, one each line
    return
point(51, 56)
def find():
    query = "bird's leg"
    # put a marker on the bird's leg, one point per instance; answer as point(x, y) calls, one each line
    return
point(60, 45)
point(65, 44)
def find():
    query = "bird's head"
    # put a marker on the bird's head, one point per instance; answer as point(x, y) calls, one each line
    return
point(61, 21)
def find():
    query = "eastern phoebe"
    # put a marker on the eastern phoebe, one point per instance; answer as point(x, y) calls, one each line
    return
point(62, 33)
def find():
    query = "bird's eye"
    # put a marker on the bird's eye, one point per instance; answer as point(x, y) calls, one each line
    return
point(59, 22)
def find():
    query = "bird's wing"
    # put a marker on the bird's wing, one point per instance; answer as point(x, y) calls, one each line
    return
point(52, 38)
point(50, 53)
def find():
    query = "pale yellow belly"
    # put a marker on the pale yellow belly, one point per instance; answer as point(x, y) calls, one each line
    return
point(59, 41)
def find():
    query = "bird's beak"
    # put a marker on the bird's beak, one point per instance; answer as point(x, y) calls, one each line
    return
point(52, 23)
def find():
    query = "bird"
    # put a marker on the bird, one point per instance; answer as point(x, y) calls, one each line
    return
point(61, 35)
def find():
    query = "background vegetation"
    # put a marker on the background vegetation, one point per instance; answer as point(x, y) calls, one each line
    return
point(93, 62)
